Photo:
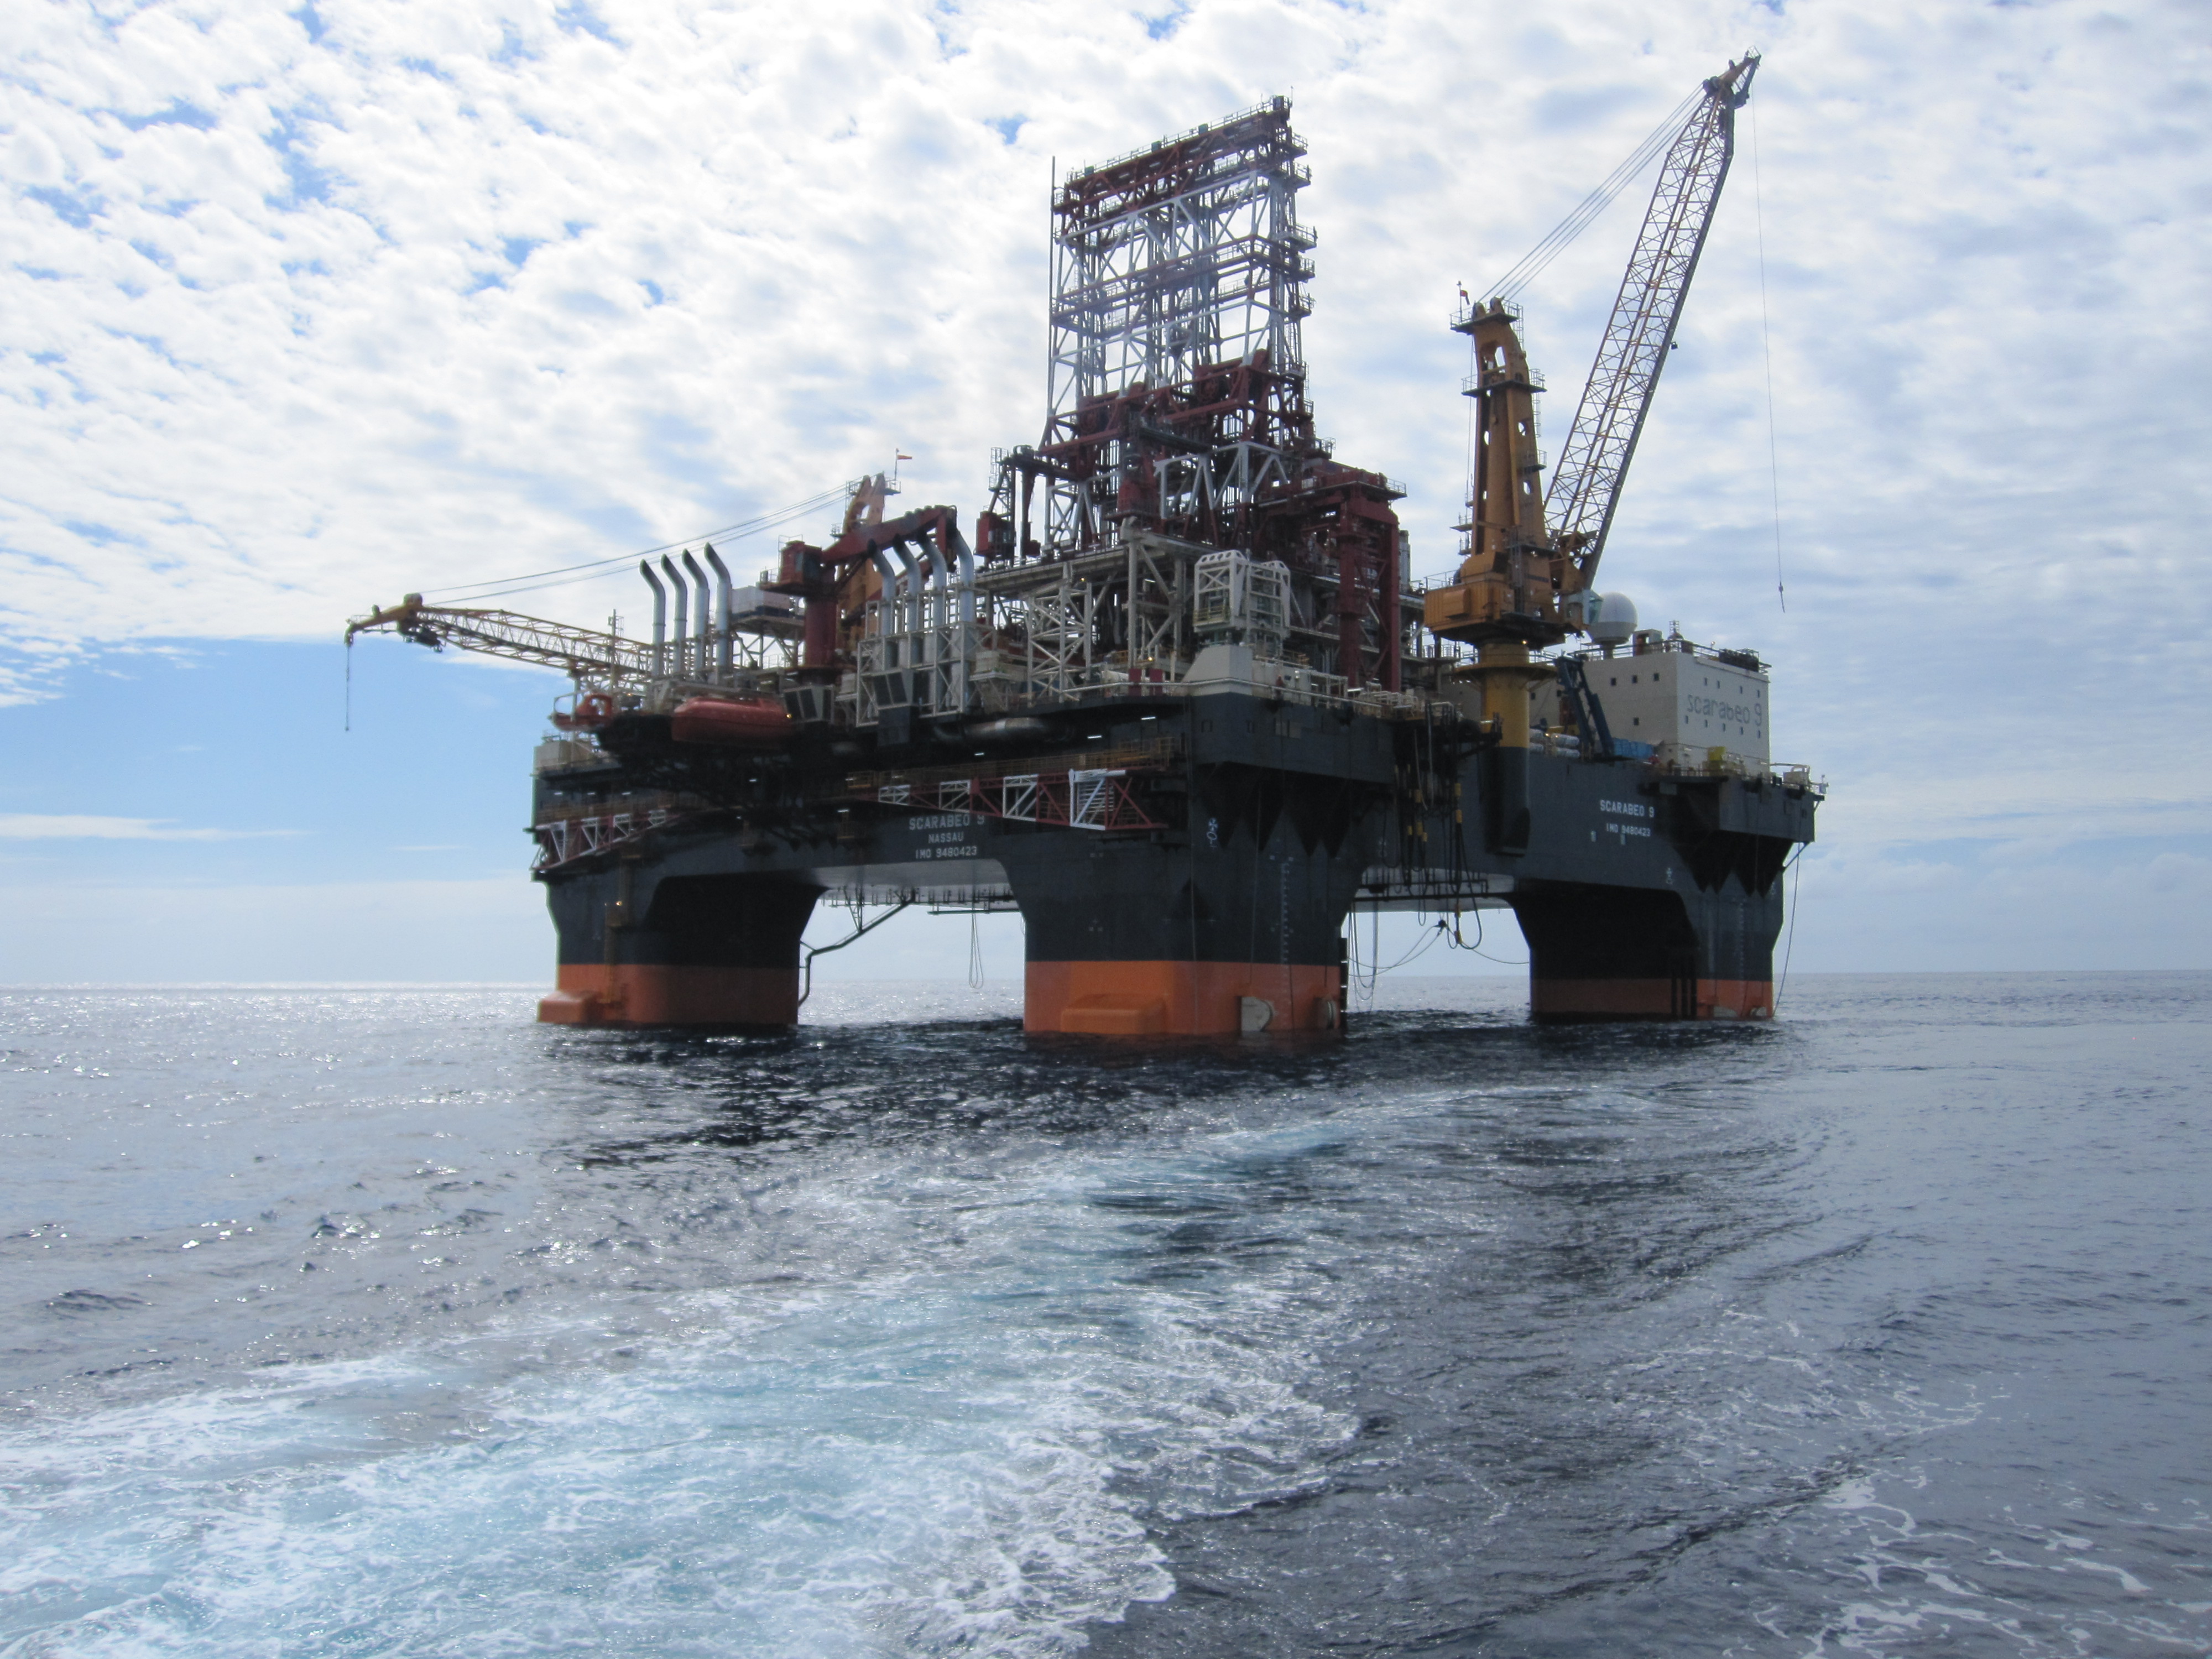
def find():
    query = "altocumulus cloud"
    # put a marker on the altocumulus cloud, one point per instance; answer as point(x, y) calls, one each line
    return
point(306, 309)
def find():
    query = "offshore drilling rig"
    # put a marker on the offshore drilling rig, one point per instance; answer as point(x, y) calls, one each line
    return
point(1178, 701)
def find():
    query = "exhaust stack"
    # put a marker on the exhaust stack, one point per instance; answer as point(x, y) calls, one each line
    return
point(659, 619)
point(682, 629)
point(725, 661)
point(699, 657)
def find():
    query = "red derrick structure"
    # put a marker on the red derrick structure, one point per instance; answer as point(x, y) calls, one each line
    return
point(1178, 413)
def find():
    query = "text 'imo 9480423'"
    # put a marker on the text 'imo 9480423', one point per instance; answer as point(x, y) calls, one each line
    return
point(1178, 702)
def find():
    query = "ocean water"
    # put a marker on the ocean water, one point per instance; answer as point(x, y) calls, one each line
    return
point(354, 1321)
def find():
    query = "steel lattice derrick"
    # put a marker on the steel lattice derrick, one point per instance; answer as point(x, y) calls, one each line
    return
point(1178, 425)
point(1216, 293)
point(1178, 283)
point(1173, 166)
point(1586, 484)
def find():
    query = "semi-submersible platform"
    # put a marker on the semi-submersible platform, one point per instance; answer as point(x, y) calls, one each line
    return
point(1178, 701)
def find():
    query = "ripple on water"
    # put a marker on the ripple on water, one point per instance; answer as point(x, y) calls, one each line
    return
point(354, 1321)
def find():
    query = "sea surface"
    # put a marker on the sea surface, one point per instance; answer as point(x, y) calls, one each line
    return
point(384, 1321)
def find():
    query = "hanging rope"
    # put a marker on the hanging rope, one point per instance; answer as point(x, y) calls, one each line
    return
point(1796, 863)
point(1459, 942)
point(1364, 981)
point(1362, 970)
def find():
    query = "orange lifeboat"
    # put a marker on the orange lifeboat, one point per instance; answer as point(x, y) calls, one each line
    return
point(755, 724)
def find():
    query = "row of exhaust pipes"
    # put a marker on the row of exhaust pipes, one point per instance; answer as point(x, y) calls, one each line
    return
point(907, 590)
point(688, 650)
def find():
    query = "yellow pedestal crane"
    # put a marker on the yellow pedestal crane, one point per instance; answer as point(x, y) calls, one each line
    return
point(1531, 558)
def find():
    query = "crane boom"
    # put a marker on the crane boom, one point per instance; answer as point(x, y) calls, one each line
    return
point(1586, 484)
point(607, 660)
point(582, 655)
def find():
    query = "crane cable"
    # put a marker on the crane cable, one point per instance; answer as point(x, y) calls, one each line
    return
point(505, 587)
point(1539, 258)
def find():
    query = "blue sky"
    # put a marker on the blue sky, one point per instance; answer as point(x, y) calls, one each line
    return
point(197, 811)
point(305, 309)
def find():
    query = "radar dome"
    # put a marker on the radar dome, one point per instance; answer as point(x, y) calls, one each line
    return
point(1610, 617)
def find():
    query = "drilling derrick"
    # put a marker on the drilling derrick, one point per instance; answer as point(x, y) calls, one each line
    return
point(1178, 427)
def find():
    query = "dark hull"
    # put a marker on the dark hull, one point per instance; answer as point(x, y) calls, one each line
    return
point(1248, 830)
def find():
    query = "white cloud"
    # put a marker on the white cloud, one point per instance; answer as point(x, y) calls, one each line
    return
point(68, 826)
point(304, 311)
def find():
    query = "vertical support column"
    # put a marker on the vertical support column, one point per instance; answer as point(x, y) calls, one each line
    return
point(1506, 671)
point(642, 949)
point(1238, 930)
point(1605, 953)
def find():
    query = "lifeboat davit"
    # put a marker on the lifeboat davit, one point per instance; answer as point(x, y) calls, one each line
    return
point(755, 724)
